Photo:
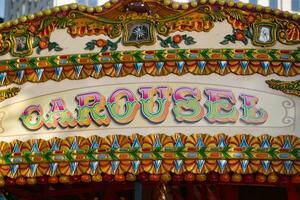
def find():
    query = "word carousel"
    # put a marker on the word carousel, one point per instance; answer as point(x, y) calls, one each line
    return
point(154, 104)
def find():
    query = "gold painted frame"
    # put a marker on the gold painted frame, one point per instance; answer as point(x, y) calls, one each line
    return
point(257, 27)
point(21, 44)
point(128, 30)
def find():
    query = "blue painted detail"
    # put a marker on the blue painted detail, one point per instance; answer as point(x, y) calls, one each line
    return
point(285, 56)
point(94, 144)
point(98, 68)
point(288, 166)
point(93, 166)
point(194, 55)
point(22, 65)
point(159, 66)
point(2, 77)
point(114, 166)
point(239, 56)
point(200, 164)
point(238, 155)
point(54, 146)
point(105, 59)
point(149, 57)
point(283, 155)
point(17, 160)
point(33, 168)
point(146, 155)
point(35, 147)
point(178, 142)
point(157, 164)
point(157, 143)
point(53, 167)
point(265, 164)
point(136, 143)
point(102, 156)
point(222, 164)
point(223, 65)
point(287, 66)
point(244, 165)
point(178, 164)
point(74, 145)
point(201, 65)
point(14, 169)
point(192, 155)
point(115, 144)
point(73, 167)
point(39, 73)
point(63, 61)
point(244, 142)
point(222, 142)
point(138, 67)
point(118, 67)
point(58, 157)
point(16, 148)
point(244, 65)
point(20, 75)
point(287, 143)
point(265, 65)
point(200, 142)
point(135, 165)
point(180, 65)
point(265, 144)
point(78, 69)
point(58, 71)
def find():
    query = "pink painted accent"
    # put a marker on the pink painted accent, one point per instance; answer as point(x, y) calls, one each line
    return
point(122, 92)
point(57, 104)
point(217, 94)
point(88, 98)
point(32, 108)
point(182, 92)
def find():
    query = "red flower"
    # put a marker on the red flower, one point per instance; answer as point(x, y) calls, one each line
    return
point(101, 43)
point(239, 35)
point(177, 38)
point(44, 43)
point(251, 18)
point(31, 29)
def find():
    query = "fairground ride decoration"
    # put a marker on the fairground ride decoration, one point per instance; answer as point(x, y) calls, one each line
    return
point(155, 89)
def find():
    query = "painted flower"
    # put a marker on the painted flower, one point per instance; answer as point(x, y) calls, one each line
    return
point(44, 43)
point(250, 19)
point(31, 29)
point(101, 43)
point(177, 38)
point(239, 35)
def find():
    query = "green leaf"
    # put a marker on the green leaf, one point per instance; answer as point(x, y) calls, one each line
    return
point(58, 48)
point(36, 41)
point(90, 46)
point(27, 157)
point(189, 40)
point(174, 45)
point(202, 152)
point(69, 155)
point(245, 41)
point(164, 44)
point(113, 47)
point(6, 157)
point(105, 48)
point(169, 40)
point(224, 42)
point(38, 50)
point(47, 155)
